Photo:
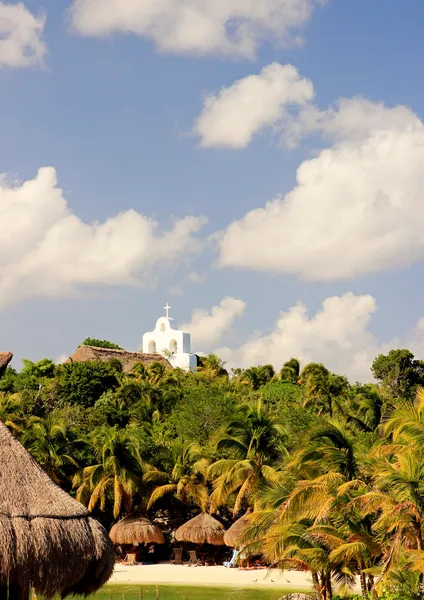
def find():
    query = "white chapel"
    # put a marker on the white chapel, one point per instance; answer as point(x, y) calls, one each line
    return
point(171, 343)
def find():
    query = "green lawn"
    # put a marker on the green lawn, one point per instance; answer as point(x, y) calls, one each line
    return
point(166, 592)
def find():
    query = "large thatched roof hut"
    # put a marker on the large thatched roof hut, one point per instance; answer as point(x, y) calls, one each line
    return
point(48, 541)
point(135, 529)
point(233, 534)
point(128, 359)
point(203, 529)
point(5, 358)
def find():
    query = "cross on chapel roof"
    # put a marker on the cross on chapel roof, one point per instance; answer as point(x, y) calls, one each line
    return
point(167, 307)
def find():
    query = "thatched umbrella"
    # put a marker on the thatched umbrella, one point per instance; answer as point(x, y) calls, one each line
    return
point(232, 535)
point(203, 529)
point(135, 529)
point(48, 541)
point(5, 358)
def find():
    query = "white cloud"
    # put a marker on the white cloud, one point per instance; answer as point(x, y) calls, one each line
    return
point(21, 37)
point(228, 27)
point(337, 335)
point(195, 277)
point(46, 251)
point(207, 327)
point(357, 206)
point(280, 99)
point(237, 113)
point(175, 290)
point(351, 119)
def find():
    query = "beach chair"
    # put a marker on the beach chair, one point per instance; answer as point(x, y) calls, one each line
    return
point(231, 563)
point(177, 556)
point(194, 561)
point(131, 558)
point(211, 559)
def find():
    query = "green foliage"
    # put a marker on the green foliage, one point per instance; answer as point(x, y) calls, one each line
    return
point(333, 472)
point(100, 344)
point(212, 366)
point(181, 473)
point(281, 393)
point(290, 371)
point(33, 374)
point(285, 401)
point(85, 382)
point(11, 411)
point(202, 413)
point(256, 377)
point(117, 474)
point(255, 433)
point(257, 443)
point(43, 368)
point(51, 442)
point(324, 389)
point(399, 372)
point(111, 410)
point(7, 381)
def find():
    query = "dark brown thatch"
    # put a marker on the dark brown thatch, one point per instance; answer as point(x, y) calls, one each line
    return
point(232, 535)
point(48, 541)
point(5, 358)
point(128, 359)
point(203, 529)
point(135, 529)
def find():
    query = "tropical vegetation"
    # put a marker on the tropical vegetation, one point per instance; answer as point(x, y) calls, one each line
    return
point(331, 472)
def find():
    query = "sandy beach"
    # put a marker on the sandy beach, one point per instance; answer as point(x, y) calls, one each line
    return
point(210, 576)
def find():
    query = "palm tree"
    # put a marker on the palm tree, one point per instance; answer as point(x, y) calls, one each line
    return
point(330, 448)
point(315, 527)
point(290, 371)
point(132, 390)
point(140, 398)
point(51, 442)
point(314, 498)
point(257, 442)
point(117, 476)
point(10, 411)
point(323, 388)
point(182, 474)
point(355, 551)
point(256, 377)
point(396, 503)
point(406, 423)
point(365, 407)
point(396, 500)
point(138, 371)
point(291, 545)
point(159, 386)
point(155, 373)
point(212, 366)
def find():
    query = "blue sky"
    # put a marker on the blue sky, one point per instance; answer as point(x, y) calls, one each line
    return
point(115, 116)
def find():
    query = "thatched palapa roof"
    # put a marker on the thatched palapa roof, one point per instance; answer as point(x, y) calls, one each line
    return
point(48, 541)
point(203, 529)
point(232, 535)
point(5, 358)
point(135, 529)
point(128, 359)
